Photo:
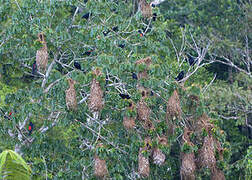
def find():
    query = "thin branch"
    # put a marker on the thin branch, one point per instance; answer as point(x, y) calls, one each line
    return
point(207, 86)
point(96, 134)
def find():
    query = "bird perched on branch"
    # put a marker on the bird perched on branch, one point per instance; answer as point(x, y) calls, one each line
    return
point(30, 128)
point(180, 76)
point(34, 68)
point(77, 65)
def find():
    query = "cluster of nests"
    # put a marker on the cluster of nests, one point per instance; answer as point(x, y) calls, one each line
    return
point(207, 155)
point(190, 163)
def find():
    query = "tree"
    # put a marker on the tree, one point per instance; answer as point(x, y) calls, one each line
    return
point(73, 143)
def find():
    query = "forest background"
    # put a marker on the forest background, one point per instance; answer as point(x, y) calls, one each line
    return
point(128, 65)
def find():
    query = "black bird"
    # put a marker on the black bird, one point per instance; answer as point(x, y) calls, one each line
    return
point(34, 68)
point(191, 60)
point(87, 15)
point(151, 93)
point(124, 96)
point(77, 65)
point(30, 128)
point(180, 76)
point(153, 5)
point(115, 28)
point(6, 116)
point(105, 33)
point(85, 1)
point(121, 45)
point(154, 17)
point(134, 75)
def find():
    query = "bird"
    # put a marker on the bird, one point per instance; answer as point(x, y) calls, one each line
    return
point(105, 33)
point(151, 93)
point(180, 76)
point(140, 32)
point(191, 60)
point(124, 96)
point(88, 53)
point(30, 128)
point(154, 17)
point(86, 16)
point(121, 45)
point(77, 65)
point(6, 116)
point(34, 68)
point(115, 28)
point(134, 75)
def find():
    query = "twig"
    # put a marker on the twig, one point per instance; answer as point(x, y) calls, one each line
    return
point(96, 134)
point(205, 88)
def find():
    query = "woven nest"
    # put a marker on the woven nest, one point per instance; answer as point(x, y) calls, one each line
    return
point(147, 62)
point(194, 102)
point(188, 167)
point(173, 109)
point(203, 122)
point(163, 140)
point(158, 156)
point(145, 8)
point(42, 54)
point(143, 164)
point(95, 102)
point(148, 125)
point(71, 102)
point(206, 156)
point(100, 168)
point(144, 92)
point(217, 174)
point(129, 122)
point(143, 111)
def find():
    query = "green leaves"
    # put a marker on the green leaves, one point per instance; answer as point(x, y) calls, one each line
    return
point(12, 166)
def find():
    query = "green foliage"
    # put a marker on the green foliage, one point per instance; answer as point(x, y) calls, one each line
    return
point(66, 149)
point(12, 166)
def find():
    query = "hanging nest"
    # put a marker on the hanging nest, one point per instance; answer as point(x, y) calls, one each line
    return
point(71, 102)
point(145, 8)
point(143, 111)
point(148, 125)
point(173, 107)
point(217, 174)
point(144, 92)
point(158, 156)
point(100, 168)
point(143, 162)
point(194, 103)
point(203, 122)
point(95, 102)
point(42, 54)
point(206, 156)
point(129, 122)
point(147, 62)
point(188, 167)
